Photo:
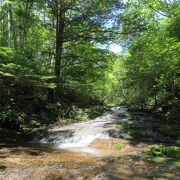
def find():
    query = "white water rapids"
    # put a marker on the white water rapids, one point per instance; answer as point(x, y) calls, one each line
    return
point(83, 133)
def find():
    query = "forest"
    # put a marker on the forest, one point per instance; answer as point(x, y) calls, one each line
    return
point(56, 64)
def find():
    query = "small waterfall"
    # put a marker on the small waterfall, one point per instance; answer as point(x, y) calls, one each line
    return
point(84, 133)
point(81, 141)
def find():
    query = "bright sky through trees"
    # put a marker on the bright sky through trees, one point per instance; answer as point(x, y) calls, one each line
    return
point(116, 48)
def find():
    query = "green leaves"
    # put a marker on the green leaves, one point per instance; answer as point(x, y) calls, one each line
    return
point(149, 71)
point(162, 150)
point(14, 65)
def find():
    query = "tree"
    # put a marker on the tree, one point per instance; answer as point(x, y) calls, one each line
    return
point(80, 21)
point(150, 68)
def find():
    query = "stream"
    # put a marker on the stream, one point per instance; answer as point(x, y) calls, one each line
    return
point(80, 136)
point(109, 147)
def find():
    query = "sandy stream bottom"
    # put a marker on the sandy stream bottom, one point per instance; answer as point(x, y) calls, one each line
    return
point(102, 160)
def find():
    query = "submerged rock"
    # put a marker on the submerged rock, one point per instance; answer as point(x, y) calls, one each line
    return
point(58, 166)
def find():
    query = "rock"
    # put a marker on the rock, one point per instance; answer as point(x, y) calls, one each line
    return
point(58, 166)
point(141, 144)
point(101, 176)
point(118, 134)
point(75, 172)
point(125, 136)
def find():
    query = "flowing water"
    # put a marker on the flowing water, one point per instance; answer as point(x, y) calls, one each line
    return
point(81, 135)
point(92, 149)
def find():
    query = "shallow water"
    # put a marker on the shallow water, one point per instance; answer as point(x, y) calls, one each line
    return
point(84, 133)
point(86, 150)
point(37, 162)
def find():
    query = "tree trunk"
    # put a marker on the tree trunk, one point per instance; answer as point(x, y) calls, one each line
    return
point(51, 44)
point(3, 33)
point(9, 29)
point(12, 28)
point(58, 56)
point(155, 98)
point(25, 22)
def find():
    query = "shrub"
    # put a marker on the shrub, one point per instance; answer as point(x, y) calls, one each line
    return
point(162, 150)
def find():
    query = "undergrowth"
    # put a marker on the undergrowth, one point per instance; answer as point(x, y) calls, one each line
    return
point(163, 150)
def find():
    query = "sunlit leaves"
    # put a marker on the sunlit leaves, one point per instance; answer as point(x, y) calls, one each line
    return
point(150, 69)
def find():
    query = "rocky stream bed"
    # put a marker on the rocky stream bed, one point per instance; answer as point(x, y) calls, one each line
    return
point(109, 147)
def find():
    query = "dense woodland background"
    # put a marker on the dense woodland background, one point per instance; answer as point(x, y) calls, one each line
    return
point(54, 64)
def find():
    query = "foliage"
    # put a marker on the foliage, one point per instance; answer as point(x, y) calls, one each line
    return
point(170, 130)
point(10, 118)
point(80, 113)
point(24, 84)
point(162, 150)
point(77, 114)
point(29, 52)
point(150, 69)
point(52, 62)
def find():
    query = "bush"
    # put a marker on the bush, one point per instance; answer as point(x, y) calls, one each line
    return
point(78, 113)
point(170, 130)
point(10, 118)
point(162, 150)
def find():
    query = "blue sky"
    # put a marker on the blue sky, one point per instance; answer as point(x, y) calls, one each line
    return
point(115, 48)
